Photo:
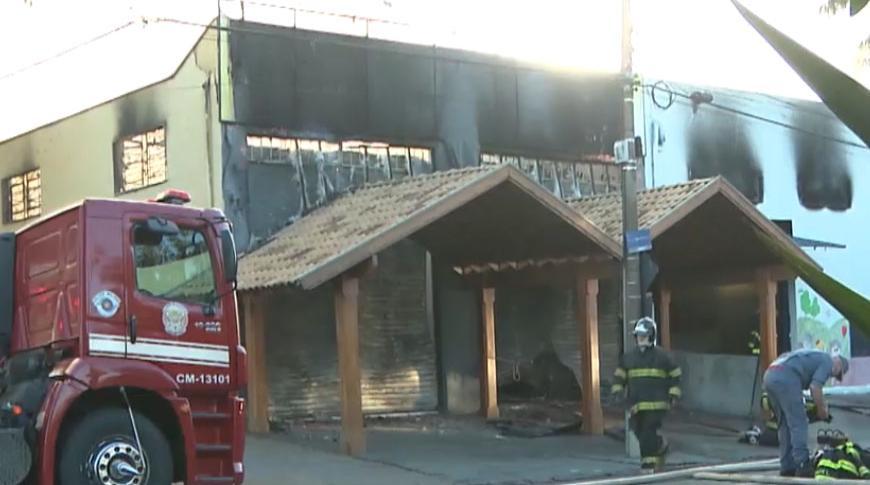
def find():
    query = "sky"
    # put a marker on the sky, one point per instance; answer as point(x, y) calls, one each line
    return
point(697, 41)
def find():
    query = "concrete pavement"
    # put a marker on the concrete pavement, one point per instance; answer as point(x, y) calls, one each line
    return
point(442, 450)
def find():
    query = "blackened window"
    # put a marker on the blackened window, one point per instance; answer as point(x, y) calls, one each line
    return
point(24, 196)
point(140, 161)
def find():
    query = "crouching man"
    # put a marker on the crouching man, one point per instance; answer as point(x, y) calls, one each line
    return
point(784, 382)
point(649, 380)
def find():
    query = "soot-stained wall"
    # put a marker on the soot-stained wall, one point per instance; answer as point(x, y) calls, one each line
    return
point(397, 346)
point(793, 158)
point(537, 346)
point(328, 86)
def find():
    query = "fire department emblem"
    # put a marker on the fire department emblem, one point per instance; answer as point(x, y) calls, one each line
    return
point(106, 303)
point(175, 319)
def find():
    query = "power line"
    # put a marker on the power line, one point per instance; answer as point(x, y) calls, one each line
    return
point(67, 51)
point(727, 109)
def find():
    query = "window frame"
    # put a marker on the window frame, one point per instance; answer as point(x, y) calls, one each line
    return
point(181, 227)
point(118, 150)
point(8, 214)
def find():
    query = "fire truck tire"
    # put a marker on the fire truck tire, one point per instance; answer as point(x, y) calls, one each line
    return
point(100, 448)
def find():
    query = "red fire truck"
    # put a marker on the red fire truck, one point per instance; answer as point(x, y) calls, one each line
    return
point(120, 360)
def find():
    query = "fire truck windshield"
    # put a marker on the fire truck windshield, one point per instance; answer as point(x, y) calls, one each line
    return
point(174, 266)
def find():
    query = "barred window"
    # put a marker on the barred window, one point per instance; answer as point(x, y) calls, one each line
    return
point(24, 196)
point(340, 165)
point(591, 175)
point(141, 161)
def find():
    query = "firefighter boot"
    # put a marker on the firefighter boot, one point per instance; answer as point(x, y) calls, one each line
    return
point(664, 449)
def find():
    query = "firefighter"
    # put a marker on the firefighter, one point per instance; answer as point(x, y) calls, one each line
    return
point(841, 460)
point(770, 435)
point(649, 380)
point(784, 382)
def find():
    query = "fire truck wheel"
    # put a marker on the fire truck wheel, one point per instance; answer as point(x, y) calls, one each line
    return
point(100, 448)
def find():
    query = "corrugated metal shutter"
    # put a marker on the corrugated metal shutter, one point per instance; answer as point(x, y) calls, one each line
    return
point(397, 350)
point(530, 321)
point(397, 343)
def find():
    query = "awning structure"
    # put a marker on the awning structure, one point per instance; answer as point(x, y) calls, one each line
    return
point(850, 101)
point(805, 242)
point(853, 306)
point(488, 216)
point(464, 217)
point(700, 225)
point(706, 232)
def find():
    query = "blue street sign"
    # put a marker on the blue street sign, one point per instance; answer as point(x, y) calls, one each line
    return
point(638, 241)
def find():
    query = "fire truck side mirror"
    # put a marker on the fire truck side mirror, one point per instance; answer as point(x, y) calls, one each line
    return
point(231, 264)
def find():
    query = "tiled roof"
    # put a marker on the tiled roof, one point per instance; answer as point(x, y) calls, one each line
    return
point(345, 223)
point(347, 231)
point(605, 211)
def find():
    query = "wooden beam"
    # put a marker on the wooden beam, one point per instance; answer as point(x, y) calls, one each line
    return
point(488, 376)
point(720, 276)
point(586, 313)
point(552, 276)
point(364, 270)
point(767, 313)
point(255, 345)
point(665, 316)
point(347, 337)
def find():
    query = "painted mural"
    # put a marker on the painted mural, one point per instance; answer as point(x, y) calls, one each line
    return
point(796, 162)
point(819, 325)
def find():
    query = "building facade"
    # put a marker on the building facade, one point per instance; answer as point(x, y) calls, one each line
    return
point(270, 123)
point(800, 165)
point(135, 146)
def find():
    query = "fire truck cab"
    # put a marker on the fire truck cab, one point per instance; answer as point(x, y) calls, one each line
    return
point(120, 359)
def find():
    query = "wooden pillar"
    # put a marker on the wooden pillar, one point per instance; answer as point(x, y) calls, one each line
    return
point(665, 317)
point(586, 312)
point(488, 376)
point(767, 313)
point(255, 345)
point(347, 337)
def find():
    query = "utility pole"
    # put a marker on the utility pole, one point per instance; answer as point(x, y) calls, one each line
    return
point(626, 154)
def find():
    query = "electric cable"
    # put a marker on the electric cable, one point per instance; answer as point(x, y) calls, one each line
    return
point(691, 102)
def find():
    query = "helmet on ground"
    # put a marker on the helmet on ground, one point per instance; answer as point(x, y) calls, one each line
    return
point(646, 326)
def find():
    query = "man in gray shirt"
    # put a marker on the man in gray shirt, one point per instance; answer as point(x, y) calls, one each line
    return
point(784, 381)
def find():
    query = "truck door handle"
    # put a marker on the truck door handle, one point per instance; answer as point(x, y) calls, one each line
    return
point(132, 329)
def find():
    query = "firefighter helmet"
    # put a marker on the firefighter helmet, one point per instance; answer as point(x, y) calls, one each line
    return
point(646, 326)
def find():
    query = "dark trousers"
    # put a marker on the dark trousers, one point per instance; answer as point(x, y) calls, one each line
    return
point(646, 425)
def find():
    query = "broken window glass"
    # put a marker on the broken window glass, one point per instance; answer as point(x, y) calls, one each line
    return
point(377, 161)
point(400, 166)
point(599, 178)
point(330, 168)
point(353, 166)
point(529, 166)
point(310, 158)
point(489, 159)
point(567, 181)
point(615, 177)
point(548, 177)
point(583, 173)
point(421, 161)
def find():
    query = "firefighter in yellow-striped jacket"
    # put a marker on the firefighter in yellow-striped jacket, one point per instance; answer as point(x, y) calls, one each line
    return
point(649, 380)
point(844, 460)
